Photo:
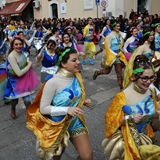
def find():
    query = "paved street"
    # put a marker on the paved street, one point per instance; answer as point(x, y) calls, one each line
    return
point(18, 143)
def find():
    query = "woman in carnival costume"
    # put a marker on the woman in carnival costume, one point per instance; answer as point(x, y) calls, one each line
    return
point(56, 37)
point(3, 44)
point(105, 31)
point(56, 114)
point(48, 59)
point(129, 135)
point(3, 73)
point(156, 27)
point(3, 77)
point(22, 79)
point(79, 47)
point(27, 44)
point(67, 42)
point(140, 33)
point(131, 43)
point(113, 44)
point(145, 46)
point(88, 34)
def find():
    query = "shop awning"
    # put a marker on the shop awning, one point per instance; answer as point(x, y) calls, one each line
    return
point(15, 8)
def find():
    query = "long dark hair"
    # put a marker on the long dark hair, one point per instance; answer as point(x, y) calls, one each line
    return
point(59, 51)
point(145, 38)
point(52, 42)
point(64, 35)
point(112, 24)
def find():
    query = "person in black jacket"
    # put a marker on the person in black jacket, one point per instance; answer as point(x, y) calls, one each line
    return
point(122, 23)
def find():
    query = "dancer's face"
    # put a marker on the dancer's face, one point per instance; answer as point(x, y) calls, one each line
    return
point(134, 33)
point(51, 47)
point(138, 27)
point(66, 38)
point(117, 28)
point(151, 37)
point(145, 79)
point(158, 29)
point(18, 45)
point(72, 64)
point(108, 22)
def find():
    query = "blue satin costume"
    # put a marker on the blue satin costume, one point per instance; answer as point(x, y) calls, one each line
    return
point(4, 49)
point(144, 107)
point(39, 34)
point(140, 34)
point(148, 55)
point(107, 31)
point(48, 61)
point(115, 45)
point(132, 46)
point(157, 43)
point(72, 46)
point(69, 96)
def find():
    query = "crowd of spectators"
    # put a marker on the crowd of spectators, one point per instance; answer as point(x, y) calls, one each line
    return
point(144, 19)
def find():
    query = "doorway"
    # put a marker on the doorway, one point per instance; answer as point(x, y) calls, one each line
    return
point(142, 5)
point(54, 10)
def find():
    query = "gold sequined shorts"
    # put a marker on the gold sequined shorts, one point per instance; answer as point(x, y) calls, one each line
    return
point(78, 132)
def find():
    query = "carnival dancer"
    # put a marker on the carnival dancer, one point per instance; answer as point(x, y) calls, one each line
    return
point(69, 30)
point(38, 35)
point(156, 27)
point(3, 78)
point(13, 32)
point(145, 46)
point(3, 74)
point(11, 26)
point(56, 116)
point(129, 135)
point(140, 33)
point(3, 44)
point(105, 31)
point(22, 79)
point(59, 26)
point(113, 44)
point(48, 59)
point(25, 30)
point(56, 37)
point(131, 43)
point(88, 34)
point(66, 42)
point(27, 44)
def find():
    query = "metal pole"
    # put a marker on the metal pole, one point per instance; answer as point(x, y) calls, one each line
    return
point(97, 10)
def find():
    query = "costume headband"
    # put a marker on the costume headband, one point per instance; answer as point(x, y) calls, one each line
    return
point(132, 28)
point(62, 55)
point(140, 70)
point(114, 24)
point(157, 24)
point(146, 33)
point(89, 18)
